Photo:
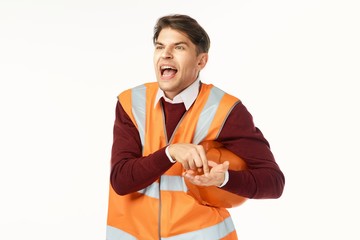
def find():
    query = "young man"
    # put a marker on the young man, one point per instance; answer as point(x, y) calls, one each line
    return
point(157, 134)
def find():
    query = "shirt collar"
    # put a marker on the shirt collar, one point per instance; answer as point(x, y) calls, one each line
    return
point(187, 96)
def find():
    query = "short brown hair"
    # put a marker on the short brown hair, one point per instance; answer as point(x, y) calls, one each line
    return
point(187, 25)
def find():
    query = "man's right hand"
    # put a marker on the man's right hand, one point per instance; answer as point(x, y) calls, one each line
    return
point(191, 156)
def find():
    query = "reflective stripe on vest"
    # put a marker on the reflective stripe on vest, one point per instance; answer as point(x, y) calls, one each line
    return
point(151, 190)
point(139, 110)
point(215, 232)
point(207, 115)
point(117, 234)
point(168, 183)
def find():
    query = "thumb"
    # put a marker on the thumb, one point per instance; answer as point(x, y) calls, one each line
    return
point(226, 165)
point(212, 163)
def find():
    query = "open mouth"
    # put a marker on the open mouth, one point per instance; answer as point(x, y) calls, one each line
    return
point(167, 71)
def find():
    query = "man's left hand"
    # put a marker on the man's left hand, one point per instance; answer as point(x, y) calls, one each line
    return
point(215, 178)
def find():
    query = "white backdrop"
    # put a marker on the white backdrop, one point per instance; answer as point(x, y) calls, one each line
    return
point(294, 64)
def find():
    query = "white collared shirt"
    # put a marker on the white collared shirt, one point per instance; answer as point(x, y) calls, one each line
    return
point(187, 96)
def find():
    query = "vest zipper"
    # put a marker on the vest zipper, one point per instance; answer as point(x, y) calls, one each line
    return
point(167, 142)
point(159, 223)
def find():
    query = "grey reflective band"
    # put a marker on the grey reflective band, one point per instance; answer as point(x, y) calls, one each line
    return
point(172, 183)
point(113, 233)
point(167, 183)
point(151, 191)
point(138, 98)
point(207, 114)
point(215, 232)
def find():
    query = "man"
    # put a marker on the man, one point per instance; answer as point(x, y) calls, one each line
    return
point(157, 134)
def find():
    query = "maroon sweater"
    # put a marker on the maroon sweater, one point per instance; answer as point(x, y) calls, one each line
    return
point(130, 171)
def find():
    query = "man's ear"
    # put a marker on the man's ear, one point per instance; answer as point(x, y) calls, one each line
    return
point(203, 58)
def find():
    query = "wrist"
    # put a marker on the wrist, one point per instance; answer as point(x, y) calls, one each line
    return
point(168, 155)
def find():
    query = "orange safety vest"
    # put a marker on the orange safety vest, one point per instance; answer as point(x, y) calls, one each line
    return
point(164, 210)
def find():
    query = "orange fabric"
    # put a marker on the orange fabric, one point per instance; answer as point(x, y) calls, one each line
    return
point(179, 210)
point(124, 213)
point(126, 97)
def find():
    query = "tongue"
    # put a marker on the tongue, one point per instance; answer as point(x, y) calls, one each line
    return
point(169, 72)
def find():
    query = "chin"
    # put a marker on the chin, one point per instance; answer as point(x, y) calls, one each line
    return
point(165, 84)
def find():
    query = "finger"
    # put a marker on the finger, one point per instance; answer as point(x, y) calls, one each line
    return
point(204, 160)
point(191, 172)
point(219, 167)
point(226, 165)
point(198, 162)
point(192, 164)
point(185, 165)
point(212, 163)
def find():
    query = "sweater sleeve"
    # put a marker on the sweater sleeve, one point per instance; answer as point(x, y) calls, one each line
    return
point(263, 178)
point(130, 171)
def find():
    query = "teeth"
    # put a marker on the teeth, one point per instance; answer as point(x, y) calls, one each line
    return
point(165, 67)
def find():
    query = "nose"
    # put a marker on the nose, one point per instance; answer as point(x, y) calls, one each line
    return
point(166, 53)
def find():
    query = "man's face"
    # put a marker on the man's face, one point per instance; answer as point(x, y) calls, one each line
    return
point(176, 62)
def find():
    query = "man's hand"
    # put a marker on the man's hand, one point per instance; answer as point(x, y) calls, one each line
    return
point(191, 156)
point(215, 178)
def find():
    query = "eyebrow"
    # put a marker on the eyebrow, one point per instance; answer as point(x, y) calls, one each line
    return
point(176, 44)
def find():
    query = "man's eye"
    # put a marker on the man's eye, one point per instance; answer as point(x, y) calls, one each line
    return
point(179, 47)
point(159, 47)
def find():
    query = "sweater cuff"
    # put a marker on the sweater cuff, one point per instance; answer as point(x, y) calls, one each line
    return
point(168, 155)
point(226, 179)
